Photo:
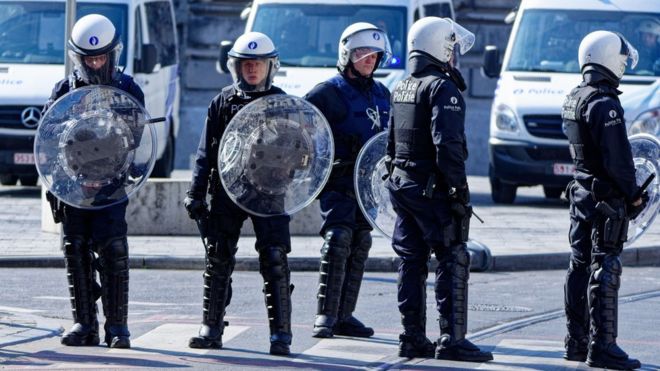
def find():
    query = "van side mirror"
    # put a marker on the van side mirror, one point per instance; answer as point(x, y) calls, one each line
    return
point(221, 64)
point(492, 66)
point(148, 59)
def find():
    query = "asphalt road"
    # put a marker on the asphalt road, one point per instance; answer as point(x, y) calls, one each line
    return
point(517, 315)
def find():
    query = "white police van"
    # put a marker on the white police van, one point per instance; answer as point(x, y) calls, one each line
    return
point(527, 145)
point(306, 34)
point(32, 48)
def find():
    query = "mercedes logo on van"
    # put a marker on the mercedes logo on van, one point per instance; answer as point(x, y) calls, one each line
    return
point(30, 117)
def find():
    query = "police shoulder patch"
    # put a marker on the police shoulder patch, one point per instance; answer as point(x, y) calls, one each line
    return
point(406, 91)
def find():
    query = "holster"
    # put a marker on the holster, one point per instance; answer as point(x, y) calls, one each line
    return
point(613, 223)
point(459, 229)
point(56, 207)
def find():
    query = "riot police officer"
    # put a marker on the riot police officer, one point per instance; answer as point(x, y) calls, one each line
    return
point(95, 47)
point(357, 107)
point(603, 196)
point(429, 191)
point(253, 62)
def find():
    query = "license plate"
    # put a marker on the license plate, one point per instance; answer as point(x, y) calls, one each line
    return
point(24, 158)
point(563, 169)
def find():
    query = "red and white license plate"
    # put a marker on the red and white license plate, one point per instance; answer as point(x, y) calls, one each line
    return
point(24, 158)
point(563, 169)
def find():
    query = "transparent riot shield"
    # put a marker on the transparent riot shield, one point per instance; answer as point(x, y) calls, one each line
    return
point(275, 155)
point(369, 180)
point(646, 156)
point(94, 147)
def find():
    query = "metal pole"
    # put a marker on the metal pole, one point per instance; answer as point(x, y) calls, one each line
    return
point(70, 15)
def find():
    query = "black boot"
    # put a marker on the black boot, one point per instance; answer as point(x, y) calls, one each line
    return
point(80, 274)
point(603, 304)
point(331, 279)
point(577, 311)
point(452, 344)
point(113, 257)
point(347, 324)
point(413, 343)
point(274, 269)
point(220, 263)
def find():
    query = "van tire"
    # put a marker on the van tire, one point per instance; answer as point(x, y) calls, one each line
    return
point(164, 165)
point(29, 180)
point(552, 192)
point(8, 179)
point(500, 192)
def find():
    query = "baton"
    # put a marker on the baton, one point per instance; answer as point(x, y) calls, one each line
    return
point(202, 227)
point(477, 216)
point(643, 187)
point(156, 120)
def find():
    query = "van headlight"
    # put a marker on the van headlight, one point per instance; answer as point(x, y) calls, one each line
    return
point(646, 123)
point(506, 120)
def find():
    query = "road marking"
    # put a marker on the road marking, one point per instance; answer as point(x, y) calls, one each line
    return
point(173, 337)
point(351, 351)
point(20, 310)
point(139, 303)
point(526, 354)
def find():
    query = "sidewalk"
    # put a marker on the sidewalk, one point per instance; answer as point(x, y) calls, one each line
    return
point(531, 234)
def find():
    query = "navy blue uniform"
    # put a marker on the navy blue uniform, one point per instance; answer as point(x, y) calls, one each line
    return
point(605, 174)
point(104, 232)
point(426, 141)
point(428, 190)
point(356, 110)
point(224, 226)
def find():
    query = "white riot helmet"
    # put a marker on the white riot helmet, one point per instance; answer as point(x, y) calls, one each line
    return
point(361, 40)
point(609, 50)
point(436, 37)
point(94, 37)
point(255, 46)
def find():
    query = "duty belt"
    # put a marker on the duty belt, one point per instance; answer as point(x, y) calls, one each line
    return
point(418, 177)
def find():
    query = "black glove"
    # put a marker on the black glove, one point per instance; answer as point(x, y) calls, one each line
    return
point(460, 194)
point(197, 209)
point(388, 167)
point(56, 207)
point(634, 211)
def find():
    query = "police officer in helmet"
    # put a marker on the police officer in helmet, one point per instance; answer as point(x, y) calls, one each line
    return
point(94, 48)
point(429, 191)
point(253, 62)
point(604, 196)
point(357, 107)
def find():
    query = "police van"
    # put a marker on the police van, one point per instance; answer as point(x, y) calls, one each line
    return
point(527, 145)
point(306, 34)
point(32, 49)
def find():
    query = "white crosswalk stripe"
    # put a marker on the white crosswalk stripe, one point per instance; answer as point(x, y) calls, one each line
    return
point(352, 351)
point(526, 354)
point(173, 337)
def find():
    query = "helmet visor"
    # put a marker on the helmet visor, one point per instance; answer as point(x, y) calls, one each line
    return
point(369, 42)
point(464, 38)
point(629, 51)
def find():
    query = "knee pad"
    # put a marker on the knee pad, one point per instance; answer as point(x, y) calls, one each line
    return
point(273, 263)
point(114, 253)
point(337, 241)
point(362, 241)
point(609, 272)
point(74, 245)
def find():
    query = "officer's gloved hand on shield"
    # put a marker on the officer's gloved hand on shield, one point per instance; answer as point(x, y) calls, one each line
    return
point(197, 209)
point(634, 211)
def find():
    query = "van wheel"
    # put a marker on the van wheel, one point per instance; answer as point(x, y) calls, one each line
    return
point(29, 180)
point(8, 179)
point(502, 193)
point(552, 192)
point(164, 165)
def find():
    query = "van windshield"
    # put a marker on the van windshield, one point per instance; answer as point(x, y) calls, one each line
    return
point(548, 40)
point(308, 35)
point(33, 32)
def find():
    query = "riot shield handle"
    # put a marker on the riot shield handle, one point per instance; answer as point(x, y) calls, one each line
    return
point(156, 120)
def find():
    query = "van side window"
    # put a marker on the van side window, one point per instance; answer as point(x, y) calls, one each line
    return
point(160, 26)
point(437, 10)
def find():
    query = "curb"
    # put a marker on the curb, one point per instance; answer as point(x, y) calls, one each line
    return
point(481, 261)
